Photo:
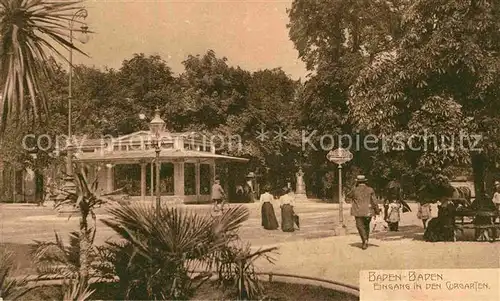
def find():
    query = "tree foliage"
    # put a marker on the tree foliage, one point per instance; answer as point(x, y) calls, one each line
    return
point(337, 39)
point(441, 78)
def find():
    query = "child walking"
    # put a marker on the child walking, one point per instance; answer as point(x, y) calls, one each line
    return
point(394, 215)
point(424, 212)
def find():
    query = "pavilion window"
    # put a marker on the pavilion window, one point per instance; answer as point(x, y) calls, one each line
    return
point(205, 179)
point(128, 176)
point(189, 179)
point(167, 178)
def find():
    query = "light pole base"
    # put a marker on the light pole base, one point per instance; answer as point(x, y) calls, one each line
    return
point(340, 230)
point(69, 184)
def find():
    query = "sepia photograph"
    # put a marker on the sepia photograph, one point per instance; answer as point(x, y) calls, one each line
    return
point(273, 150)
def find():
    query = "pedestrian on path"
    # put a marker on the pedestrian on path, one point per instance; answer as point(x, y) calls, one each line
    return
point(288, 217)
point(364, 205)
point(496, 202)
point(269, 221)
point(217, 195)
point(394, 215)
point(424, 212)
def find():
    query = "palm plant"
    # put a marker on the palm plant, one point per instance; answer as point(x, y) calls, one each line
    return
point(158, 252)
point(10, 288)
point(56, 260)
point(86, 198)
point(31, 31)
point(236, 270)
point(77, 291)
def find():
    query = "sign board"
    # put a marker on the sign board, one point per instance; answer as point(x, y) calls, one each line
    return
point(339, 156)
point(432, 285)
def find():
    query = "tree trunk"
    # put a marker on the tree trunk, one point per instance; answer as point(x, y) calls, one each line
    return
point(478, 161)
point(84, 250)
point(39, 187)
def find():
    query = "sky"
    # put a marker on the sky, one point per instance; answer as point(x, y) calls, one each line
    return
point(251, 34)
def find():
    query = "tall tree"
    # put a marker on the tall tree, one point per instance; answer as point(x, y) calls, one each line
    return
point(336, 39)
point(441, 79)
point(211, 91)
point(146, 82)
point(268, 125)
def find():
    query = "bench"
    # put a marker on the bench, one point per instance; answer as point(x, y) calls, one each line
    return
point(484, 232)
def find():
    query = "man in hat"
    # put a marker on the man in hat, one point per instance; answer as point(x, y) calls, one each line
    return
point(363, 206)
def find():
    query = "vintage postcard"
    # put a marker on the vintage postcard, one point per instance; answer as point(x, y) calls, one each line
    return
point(250, 150)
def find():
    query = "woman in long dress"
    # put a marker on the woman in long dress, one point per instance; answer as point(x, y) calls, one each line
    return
point(288, 216)
point(441, 228)
point(269, 221)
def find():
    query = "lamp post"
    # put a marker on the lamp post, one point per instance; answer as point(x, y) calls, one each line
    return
point(80, 14)
point(340, 156)
point(157, 126)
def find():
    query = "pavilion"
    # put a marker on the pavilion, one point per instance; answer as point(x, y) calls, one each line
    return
point(188, 163)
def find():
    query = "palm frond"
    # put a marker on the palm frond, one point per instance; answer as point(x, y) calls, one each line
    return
point(55, 259)
point(10, 289)
point(30, 30)
point(77, 291)
point(159, 249)
point(236, 269)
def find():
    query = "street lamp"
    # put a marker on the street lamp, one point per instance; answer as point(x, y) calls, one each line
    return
point(340, 156)
point(80, 14)
point(157, 126)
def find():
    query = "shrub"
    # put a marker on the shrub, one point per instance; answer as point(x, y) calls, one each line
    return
point(236, 270)
point(157, 252)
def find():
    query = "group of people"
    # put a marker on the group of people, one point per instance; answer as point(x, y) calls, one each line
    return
point(289, 219)
point(442, 227)
point(364, 208)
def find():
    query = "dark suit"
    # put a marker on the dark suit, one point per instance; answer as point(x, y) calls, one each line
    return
point(363, 201)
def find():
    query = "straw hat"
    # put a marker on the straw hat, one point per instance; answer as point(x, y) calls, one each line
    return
point(361, 179)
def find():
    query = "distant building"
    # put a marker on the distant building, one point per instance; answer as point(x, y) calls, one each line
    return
point(188, 164)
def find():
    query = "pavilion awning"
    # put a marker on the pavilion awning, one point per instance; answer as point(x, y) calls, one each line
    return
point(150, 155)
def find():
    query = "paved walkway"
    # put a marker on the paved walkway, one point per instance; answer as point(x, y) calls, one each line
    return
point(341, 258)
point(24, 223)
point(312, 251)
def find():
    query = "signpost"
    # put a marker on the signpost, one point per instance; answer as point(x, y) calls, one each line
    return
point(340, 156)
